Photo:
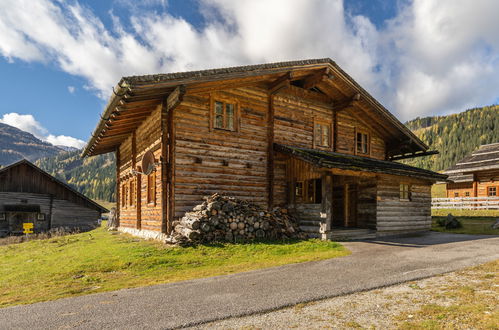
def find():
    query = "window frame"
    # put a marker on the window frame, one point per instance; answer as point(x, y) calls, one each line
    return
point(131, 187)
point(151, 196)
point(236, 114)
point(368, 142)
point(467, 194)
point(404, 194)
point(124, 194)
point(456, 194)
point(489, 188)
point(323, 123)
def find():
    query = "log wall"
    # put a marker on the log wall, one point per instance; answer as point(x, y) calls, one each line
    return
point(396, 216)
point(141, 214)
point(209, 160)
point(58, 212)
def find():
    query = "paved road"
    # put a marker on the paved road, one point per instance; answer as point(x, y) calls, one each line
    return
point(372, 264)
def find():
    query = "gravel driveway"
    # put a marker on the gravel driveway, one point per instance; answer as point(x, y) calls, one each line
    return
point(372, 264)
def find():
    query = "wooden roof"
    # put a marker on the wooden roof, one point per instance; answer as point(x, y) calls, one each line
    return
point(485, 158)
point(327, 159)
point(24, 176)
point(134, 98)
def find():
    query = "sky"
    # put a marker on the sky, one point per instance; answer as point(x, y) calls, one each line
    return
point(59, 59)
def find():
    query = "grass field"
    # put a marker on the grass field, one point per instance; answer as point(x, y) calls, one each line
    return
point(471, 225)
point(99, 261)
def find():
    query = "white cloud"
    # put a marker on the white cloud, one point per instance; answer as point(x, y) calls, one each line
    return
point(29, 124)
point(71, 89)
point(433, 57)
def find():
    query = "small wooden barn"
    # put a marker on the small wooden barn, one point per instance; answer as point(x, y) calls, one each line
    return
point(30, 195)
point(476, 175)
point(299, 134)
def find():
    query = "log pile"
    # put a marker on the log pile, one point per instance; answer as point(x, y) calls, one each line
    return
point(223, 218)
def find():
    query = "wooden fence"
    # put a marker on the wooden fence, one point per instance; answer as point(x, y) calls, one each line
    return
point(466, 203)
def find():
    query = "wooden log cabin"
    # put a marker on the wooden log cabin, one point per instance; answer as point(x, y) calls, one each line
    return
point(476, 175)
point(31, 195)
point(299, 134)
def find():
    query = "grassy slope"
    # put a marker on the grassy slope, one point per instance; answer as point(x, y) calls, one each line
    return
point(99, 261)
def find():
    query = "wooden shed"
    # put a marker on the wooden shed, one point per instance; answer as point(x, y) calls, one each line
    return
point(299, 134)
point(476, 175)
point(30, 195)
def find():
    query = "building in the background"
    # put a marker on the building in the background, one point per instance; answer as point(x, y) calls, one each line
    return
point(30, 195)
point(476, 175)
point(298, 134)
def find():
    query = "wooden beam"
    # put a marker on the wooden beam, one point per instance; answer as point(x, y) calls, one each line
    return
point(118, 197)
point(348, 103)
point(326, 205)
point(313, 80)
point(414, 155)
point(168, 156)
point(281, 83)
point(270, 153)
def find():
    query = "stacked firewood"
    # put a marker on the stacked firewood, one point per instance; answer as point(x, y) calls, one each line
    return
point(223, 218)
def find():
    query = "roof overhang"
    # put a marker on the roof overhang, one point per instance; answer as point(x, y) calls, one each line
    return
point(134, 99)
point(334, 160)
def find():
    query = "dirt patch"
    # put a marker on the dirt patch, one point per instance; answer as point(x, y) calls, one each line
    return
point(467, 299)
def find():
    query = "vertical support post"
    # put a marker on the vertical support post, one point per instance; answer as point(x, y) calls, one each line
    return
point(475, 188)
point(335, 130)
point(327, 206)
point(135, 193)
point(270, 159)
point(168, 156)
point(49, 220)
point(346, 208)
point(118, 197)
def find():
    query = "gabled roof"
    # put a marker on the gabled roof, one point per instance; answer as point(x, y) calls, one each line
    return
point(135, 97)
point(327, 159)
point(53, 179)
point(486, 157)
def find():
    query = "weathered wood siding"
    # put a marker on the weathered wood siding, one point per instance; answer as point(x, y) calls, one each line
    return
point(366, 203)
point(399, 216)
point(141, 214)
point(58, 212)
point(209, 160)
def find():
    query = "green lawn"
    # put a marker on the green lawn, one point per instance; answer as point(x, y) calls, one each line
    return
point(471, 225)
point(99, 261)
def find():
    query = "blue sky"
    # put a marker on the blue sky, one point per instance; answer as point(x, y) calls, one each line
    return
point(59, 62)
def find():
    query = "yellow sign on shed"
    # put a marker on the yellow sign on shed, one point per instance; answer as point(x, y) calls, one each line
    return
point(28, 227)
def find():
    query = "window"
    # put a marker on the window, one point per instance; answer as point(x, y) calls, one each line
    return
point(467, 194)
point(405, 191)
point(132, 193)
point(362, 141)
point(124, 192)
point(492, 191)
point(224, 116)
point(299, 189)
point(151, 188)
point(40, 217)
point(309, 191)
point(322, 135)
point(3, 217)
point(456, 194)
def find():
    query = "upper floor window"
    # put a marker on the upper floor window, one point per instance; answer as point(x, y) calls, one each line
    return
point(492, 191)
point(467, 194)
point(362, 141)
point(224, 115)
point(456, 194)
point(322, 135)
point(405, 191)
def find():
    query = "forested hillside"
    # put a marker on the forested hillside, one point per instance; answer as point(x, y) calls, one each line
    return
point(93, 177)
point(455, 135)
point(16, 144)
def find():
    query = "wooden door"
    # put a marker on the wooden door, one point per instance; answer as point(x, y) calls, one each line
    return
point(350, 205)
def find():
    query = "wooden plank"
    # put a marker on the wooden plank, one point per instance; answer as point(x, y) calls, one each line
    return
point(326, 205)
point(270, 151)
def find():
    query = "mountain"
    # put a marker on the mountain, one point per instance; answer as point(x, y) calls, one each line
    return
point(94, 177)
point(16, 144)
point(455, 136)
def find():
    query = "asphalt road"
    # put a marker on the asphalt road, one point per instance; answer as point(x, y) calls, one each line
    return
point(372, 264)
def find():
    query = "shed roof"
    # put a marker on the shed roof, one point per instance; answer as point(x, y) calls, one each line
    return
point(65, 186)
point(327, 159)
point(135, 97)
point(485, 158)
